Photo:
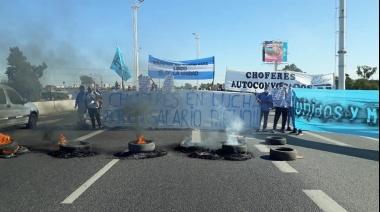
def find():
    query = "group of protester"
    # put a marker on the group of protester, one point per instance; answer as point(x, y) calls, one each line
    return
point(281, 99)
point(91, 102)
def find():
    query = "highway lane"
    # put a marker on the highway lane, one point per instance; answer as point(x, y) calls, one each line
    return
point(349, 175)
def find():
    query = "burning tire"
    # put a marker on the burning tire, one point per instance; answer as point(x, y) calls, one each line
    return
point(75, 146)
point(283, 154)
point(12, 146)
point(275, 140)
point(135, 147)
point(233, 149)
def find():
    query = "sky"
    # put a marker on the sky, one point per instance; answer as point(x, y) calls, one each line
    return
point(79, 37)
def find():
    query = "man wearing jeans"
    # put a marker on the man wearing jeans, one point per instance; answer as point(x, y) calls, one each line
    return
point(92, 100)
point(265, 99)
point(281, 106)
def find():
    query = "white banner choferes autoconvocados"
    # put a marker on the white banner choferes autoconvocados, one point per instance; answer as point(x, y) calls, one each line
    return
point(256, 81)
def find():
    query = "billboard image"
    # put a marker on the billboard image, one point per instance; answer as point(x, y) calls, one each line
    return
point(275, 51)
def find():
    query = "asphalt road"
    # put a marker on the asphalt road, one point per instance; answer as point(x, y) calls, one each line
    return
point(337, 173)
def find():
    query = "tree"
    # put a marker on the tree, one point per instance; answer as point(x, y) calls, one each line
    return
point(23, 76)
point(367, 72)
point(349, 82)
point(86, 80)
point(292, 67)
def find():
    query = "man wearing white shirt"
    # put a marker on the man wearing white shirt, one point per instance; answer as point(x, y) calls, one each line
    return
point(281, 104)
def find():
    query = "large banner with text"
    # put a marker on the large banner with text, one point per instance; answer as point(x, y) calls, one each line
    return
point(213, 110)
point(197, 69)
point(256, 81)
point(354, 112)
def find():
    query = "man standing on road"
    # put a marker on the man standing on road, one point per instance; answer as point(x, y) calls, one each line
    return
point(292, 110)
point(280, 104)
point(265, 99)
point(92, 100)
point(80, 103)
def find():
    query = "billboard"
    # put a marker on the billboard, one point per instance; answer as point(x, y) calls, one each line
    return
point(275, 51)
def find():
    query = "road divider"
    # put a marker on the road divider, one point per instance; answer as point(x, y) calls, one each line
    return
point(51, 107)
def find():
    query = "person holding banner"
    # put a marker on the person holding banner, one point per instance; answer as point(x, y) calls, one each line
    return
point(292, 111)
point(265, 99)
point(281, 105)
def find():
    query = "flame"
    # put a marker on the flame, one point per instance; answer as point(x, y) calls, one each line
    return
point(141, 140)
point(62, 139)
point(5, 139)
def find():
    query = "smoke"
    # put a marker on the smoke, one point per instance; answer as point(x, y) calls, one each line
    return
point(53, 37)
point(213, 140)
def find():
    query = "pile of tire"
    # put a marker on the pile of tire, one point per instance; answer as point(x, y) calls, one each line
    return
point(8, 147)
point(280, 153)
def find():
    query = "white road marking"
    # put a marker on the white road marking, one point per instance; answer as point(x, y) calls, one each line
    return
point(196, 136)
point(70, 199)
point(326, 139)
point(49, 121)
point(284, 167)
point(262, 148)
point(89, 135)
point(374, 139)
point(322, 137)
point(323, 201)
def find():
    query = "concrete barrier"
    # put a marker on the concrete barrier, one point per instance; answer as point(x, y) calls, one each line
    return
point(51, 107)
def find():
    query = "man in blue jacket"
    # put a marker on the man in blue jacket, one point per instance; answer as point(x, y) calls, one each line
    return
point(80, 103)
point(265, 99)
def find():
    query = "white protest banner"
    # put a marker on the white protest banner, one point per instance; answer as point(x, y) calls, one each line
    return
point(256, 81)
point(144, 83)
point(168, 83)
point(214, 110)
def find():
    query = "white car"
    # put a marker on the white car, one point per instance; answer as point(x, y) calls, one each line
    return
point(14, 110)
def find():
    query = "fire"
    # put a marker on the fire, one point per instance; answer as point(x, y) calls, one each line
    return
point(5, 139)
point(141, 140)
point(62, 139)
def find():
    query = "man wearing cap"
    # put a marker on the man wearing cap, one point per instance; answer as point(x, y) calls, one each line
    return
point(281, 105)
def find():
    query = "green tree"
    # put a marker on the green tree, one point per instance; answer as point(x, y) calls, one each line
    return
point(86, 80)
point(366, 72)
point(23, 76)
point(349, 82)
point(292, 67)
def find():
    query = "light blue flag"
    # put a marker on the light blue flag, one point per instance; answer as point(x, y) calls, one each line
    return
point(119, 66)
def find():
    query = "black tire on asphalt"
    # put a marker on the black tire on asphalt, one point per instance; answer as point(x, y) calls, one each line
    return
point(32, 123)
point(234, 149)
point(283, 154)
point(75, 146)
point(13, 145)
point(134, 147)
point(275, 140)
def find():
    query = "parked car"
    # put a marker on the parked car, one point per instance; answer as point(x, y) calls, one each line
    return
point(14, 110)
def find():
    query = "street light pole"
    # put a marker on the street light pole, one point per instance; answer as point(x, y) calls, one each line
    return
point(135, 7)
point(197, 38)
